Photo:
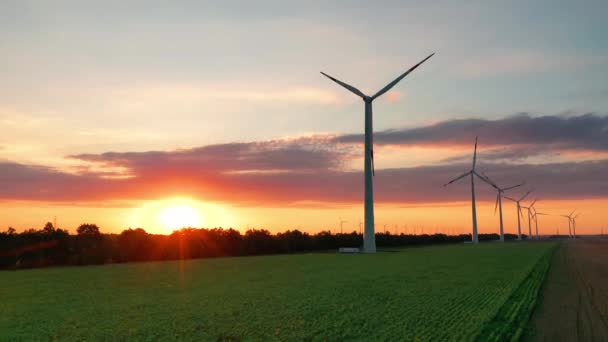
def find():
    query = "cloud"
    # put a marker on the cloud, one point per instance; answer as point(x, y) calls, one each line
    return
point(313, 169)
point(584, 132)
point(158, 175)
point(301, 155)
point(393, 96)
point(195, 93)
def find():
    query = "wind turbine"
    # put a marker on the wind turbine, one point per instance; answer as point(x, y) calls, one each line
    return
point(519, 213)
point(569, 217)
point(530, 208)
point(574, 225)
point(471, 173)
point(369, 240)
point(536, 220)
point(342, 222)
point(500, 191)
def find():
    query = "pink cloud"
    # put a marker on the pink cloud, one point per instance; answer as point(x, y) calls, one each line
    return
point(393, 96)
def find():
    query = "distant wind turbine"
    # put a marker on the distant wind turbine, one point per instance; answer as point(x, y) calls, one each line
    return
point(530, 209)
point(536, 220)
point(471, 173)
point(519, 213)
point(342, 222)
point(569, 217)
point(500, 191)
point(369, 240)
point(574, 225)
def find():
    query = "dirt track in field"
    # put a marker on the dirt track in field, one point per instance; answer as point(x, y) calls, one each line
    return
point(573, 304)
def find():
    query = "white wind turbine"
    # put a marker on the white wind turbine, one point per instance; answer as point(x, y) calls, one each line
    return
point(536, 213)
point(369, 239)
point(519, 213)
point(530, 208)
point(569, 217)
point(500, 191)
point(471, 173)
point(574, 225)
point(342, 222)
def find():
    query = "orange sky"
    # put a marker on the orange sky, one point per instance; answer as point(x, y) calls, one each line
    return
point(443, 218)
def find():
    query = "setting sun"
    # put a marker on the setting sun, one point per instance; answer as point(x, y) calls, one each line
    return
point(165, 216)
point(179, 216)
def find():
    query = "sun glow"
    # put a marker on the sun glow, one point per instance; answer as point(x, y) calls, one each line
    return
point(180, 216)
point(165, 216)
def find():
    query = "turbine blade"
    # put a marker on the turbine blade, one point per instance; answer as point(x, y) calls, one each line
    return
point(572, 212)
point(457, 178)
point(526, 194)
point(513, 187)
point(496, 205)
point(531, 205)
point(486, 179)
point(510, 199)
point(475, 154)
point(345, 85)
point(396, 80)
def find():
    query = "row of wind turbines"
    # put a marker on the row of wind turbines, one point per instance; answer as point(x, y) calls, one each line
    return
point(500, 193)
point(369, 239)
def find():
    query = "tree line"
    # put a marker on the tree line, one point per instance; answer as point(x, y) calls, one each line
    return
point(52, 246)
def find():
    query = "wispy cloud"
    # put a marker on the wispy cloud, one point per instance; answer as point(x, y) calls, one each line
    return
point(301, 155)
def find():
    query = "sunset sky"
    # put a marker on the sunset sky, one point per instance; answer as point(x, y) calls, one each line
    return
point(115, 113)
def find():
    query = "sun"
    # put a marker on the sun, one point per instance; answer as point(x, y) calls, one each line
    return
point(179, 216)
point(166, 215)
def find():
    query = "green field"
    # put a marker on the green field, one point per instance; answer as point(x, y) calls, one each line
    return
point(458, 292)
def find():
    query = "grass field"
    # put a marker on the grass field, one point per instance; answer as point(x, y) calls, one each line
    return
point(453, 292)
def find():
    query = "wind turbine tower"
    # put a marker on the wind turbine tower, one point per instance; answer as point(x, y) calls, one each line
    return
point(369, 239)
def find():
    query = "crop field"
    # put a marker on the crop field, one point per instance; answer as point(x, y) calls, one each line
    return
point(457, 292)
point(574, 301)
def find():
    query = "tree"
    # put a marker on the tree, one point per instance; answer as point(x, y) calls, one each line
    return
point(88, 229)
point(48, 228)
